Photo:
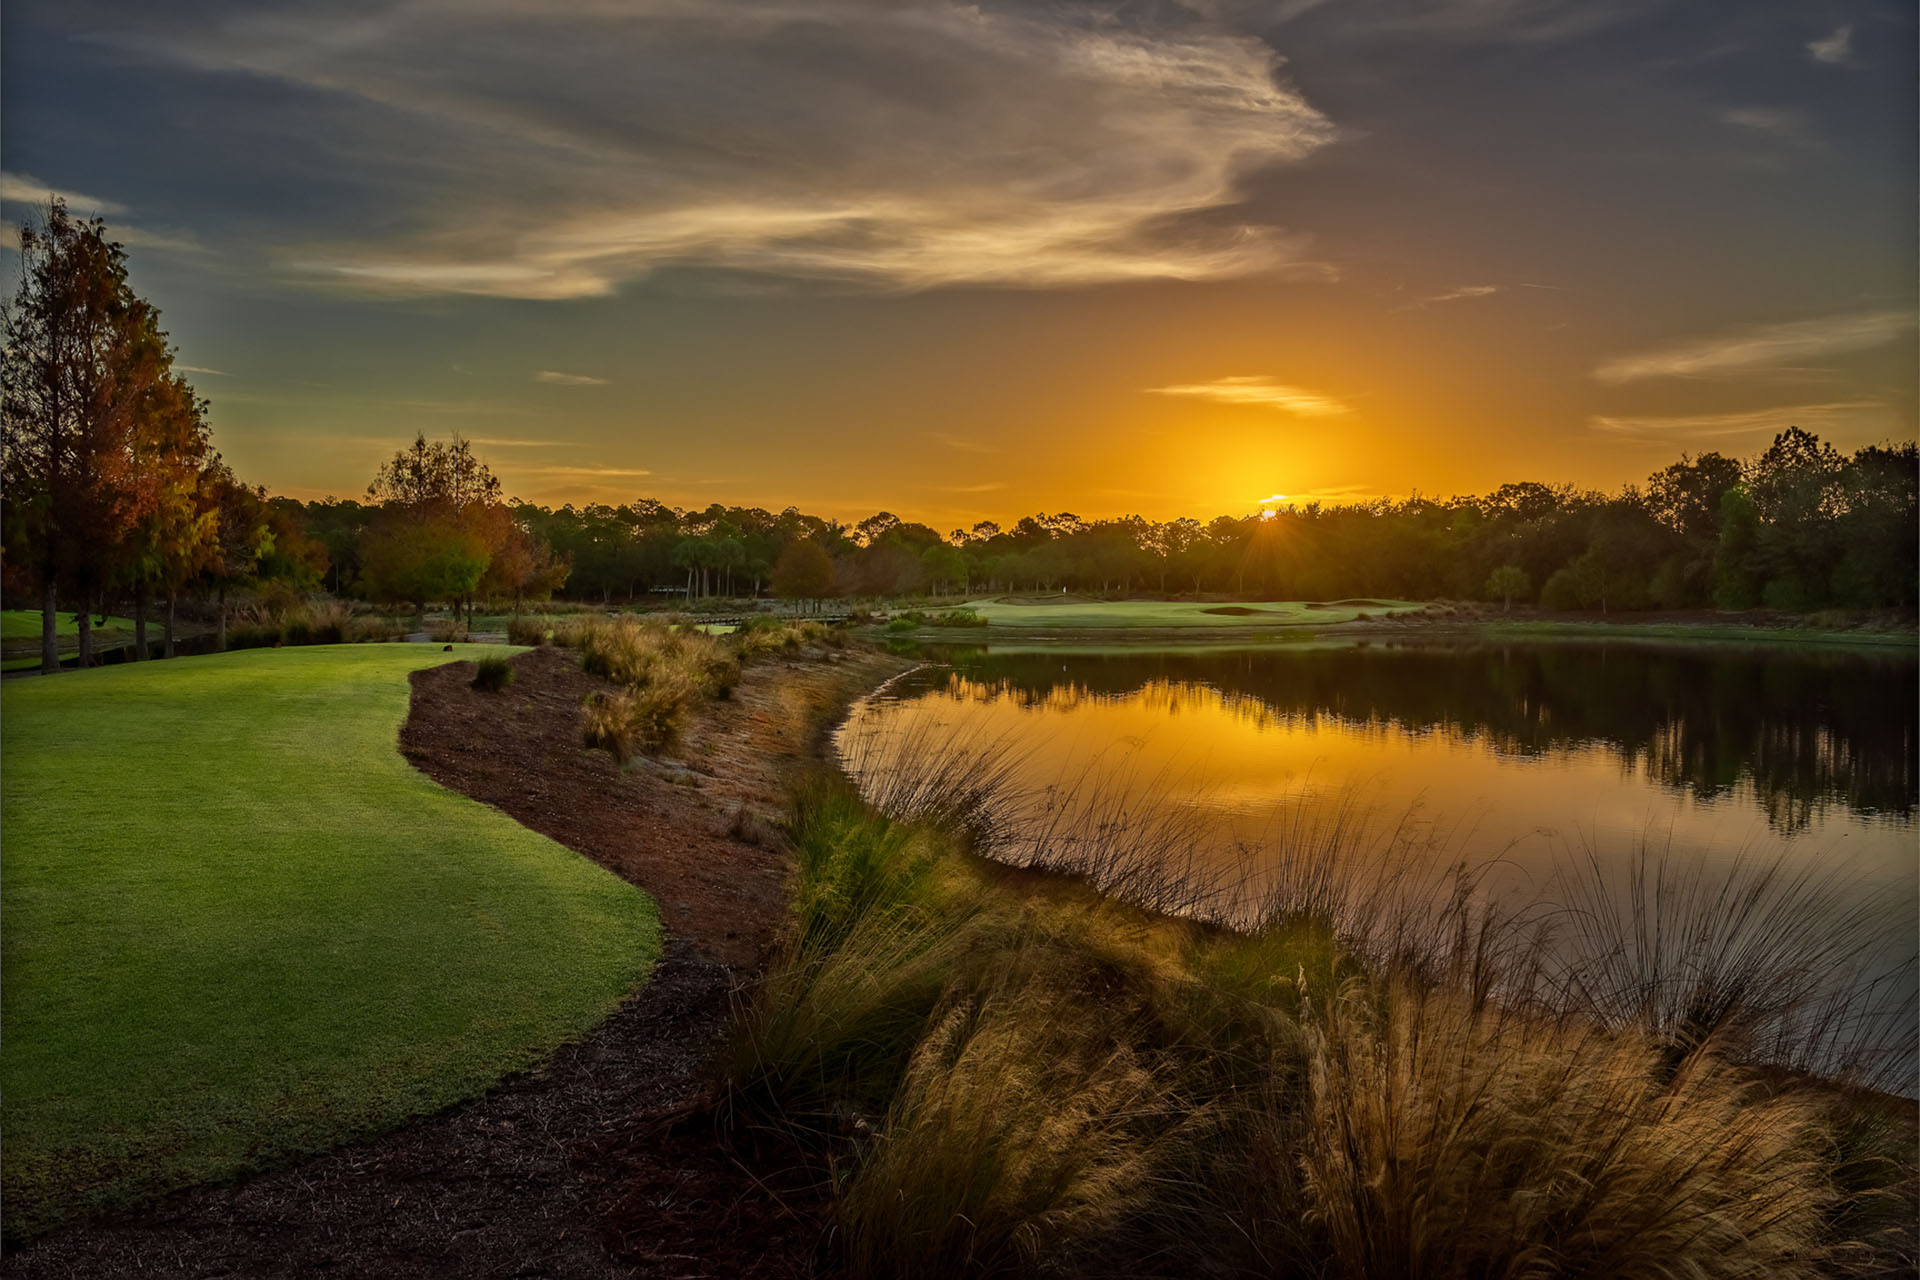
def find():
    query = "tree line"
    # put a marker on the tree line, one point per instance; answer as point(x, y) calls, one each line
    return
point(115, 494)
point(1797, 527)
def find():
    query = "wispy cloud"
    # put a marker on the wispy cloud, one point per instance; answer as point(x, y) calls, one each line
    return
point(1464, 291)
point(1836, 50)
point(1332, 494)
point(961, 443)
point(569, 379)
point(899, 146)
point(1782, 124)
point(583, 473)
point(1480, 21)
point(1261, 391)
point(1750, 422)
point(26, 189)
point(1459, 294)
point(495, 442)
point(30, 190)
point(194, 368)
point(1760, 346)
point(988, 487)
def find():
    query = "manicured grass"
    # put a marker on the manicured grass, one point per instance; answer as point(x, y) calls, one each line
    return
point(238, 926)
point(1078, 614)
point(20, 636)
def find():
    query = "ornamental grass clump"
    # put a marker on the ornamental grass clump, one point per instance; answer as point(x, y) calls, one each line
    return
point(492, 674)
point(531, 632)
point(665, 670)
point(608, 723)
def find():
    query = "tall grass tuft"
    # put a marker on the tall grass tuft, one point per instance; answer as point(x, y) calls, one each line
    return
point(528, 631)
point(665, 669)
point(1441, 1139)
point(1010, 1143)
point(492, 674)
point(1771, 961)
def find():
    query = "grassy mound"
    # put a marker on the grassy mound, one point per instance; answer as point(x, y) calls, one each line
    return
point(238, 926)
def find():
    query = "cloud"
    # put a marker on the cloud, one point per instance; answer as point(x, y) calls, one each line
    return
point(962, 444)
point(194, 368)
point(30, 190)
point(895, 146)
point(1465, 291)
point(161, 241)
point(569, 379)
point(1760, 346)
point(1456, 295)
point(1782, 124)
point(1836, 50)
point(989, 487)
point(495, 442)
point(1260, 391)
point(1708, 426)
point(1482, 21)
point(583, 473)
point(26, 189)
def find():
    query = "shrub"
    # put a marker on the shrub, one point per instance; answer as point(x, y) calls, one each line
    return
point(957, 618)
point(905, 622)
point(492, 674)
point(527, 631)
point(450, 631)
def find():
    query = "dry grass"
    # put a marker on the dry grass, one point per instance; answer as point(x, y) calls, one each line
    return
point(531, 632)
point(665, 669)
point(764, 636)
point(1377, 1074)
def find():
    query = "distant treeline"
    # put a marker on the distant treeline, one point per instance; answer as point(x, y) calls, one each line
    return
point(1798, 527)
point(114, 494)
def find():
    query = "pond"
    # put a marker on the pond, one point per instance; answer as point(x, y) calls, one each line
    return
point(1537, 763)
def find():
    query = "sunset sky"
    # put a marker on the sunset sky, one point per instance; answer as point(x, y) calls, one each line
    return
point(972, 261)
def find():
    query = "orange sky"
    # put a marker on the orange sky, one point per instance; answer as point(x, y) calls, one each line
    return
point(975, 261)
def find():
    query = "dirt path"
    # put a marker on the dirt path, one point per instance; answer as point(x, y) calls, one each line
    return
point(566, 1171)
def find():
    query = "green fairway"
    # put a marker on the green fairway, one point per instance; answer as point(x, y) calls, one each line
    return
point(237, 925)
point(20, 636)
point(1073, 613)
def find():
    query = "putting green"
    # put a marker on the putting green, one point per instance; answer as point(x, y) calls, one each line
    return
point(238, 926)
point(1072, 613)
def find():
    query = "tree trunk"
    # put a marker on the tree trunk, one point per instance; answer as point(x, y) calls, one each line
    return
point(140, 621)
point(49, 627)
point(86, 630)
point(172, 595)
point(220, 633)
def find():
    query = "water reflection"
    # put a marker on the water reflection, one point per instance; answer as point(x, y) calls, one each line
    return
point(1803, 732)
point(1517, 762)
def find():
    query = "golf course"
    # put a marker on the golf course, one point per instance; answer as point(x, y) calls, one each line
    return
point(238, 926)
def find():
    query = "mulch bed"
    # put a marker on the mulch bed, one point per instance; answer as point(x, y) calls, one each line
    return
point(601, 1163)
